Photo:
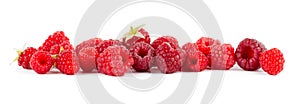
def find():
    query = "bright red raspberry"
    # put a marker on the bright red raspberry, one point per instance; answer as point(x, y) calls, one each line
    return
point(88, 43)
point(205, 44)
point(247, 54)
point(87, 58)
point(56, 49)
point(114, 61)
point(106, 43)
point(221, 57)
point(159, 41)
point(25, 57)
point(195, 60)
point(41, 62)
point(168, 59)
point(68, 63)
point(57, 38)
point(272, 61)
point(143, 54)
point(135, 35)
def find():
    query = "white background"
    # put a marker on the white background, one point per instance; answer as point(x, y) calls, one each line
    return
point(275, 23)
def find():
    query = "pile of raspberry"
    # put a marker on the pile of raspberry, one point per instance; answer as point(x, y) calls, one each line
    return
point(135, 53)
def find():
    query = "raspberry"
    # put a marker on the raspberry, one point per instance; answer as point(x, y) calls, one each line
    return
point(272, 61)
point(188, 47)
point(136, 35)
point(247, 54)
point(143, 54)
point(87, 58)
point(173, 42)
point(221, 57)
point(25, 57)
point(168, 58)
point(106, 43)
point(41, 62)
point(55, 49)
point(57, 38)
point(88, 43)
point(67, 62)
point(114, 61)
point(205, 44)
point(195, 60)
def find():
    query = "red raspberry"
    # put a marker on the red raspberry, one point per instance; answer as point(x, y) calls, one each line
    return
point(247, 54)
point(143, 54)
point(87, 58)
point(88, 43)
point(25, 56)
point(136, 35)
point(57, 38)
point(195, 60)
point(168, 58)
point(41, 62)
point(68, 63)
point(56, 49)
point(173, 42)
point(221, 57)
point(205, 44)
point(106, 43)
point(272, 61)
point(114, 61)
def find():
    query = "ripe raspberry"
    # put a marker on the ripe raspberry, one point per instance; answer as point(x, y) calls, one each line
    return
point(205, 44)
point(68, 63)
point(188, 47)
point(88, 43)
point(168, 58)
point(221, 57)
point(143, 54)
point(173, 42)
point(41, 62)
point(136, 35)
point(195, 60)
point(247, 54)
point(114, 61)
point(57, 38)
point(55, 49)
point(272, 61)
point(25, 57)
point(87, 58)
point(106, 43)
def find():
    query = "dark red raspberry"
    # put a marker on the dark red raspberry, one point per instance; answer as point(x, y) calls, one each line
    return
point(57, 38)
point(168, 59)
point(272, 61)
point(136, 35)
point(25, 56)
point(68, 63)
point(195, 60)
point(106, 43)
point(221, 57)
point(87, 58)
point(205, 44)
point(114, 61)
point(143, 54)
point(41, 62)
point(173, 42)
point(56, 49)
point(88, 43)
point(247, 54)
